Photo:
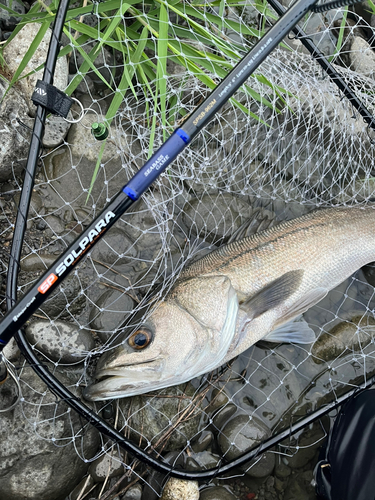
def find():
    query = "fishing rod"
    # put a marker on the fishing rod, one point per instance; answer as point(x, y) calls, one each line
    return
point(127, 196)
point(142, 180)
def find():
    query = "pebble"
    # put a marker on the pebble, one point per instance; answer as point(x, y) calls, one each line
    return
point(178, 489)
point(133, 493)
point(104, 467)
point(61, 341)
point(221, 417)
point(216, 493)
point(202, 460)
point(202, 442)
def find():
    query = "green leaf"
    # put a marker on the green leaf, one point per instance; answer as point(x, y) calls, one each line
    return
point(161, 72)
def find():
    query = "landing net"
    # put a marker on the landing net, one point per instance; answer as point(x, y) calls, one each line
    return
point(286, 144)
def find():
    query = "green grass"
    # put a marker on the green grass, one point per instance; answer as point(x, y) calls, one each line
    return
point(149, 30)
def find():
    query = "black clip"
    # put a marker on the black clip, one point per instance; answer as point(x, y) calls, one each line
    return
point(51, 98)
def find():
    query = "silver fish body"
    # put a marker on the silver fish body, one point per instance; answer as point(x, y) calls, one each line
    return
point(238, 294)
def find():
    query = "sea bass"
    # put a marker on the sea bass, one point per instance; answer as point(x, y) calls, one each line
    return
point(242, 292)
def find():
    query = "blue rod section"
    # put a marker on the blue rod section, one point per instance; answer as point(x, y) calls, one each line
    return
point(158, 162)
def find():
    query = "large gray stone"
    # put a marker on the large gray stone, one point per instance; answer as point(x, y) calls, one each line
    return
point(15, 139)
point(39, 439)
point(15, 51)
point(61, 341)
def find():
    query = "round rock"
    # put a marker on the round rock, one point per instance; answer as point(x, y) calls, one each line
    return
point(216, 493)
point(61, 341)
point(133, 493)
point(178, 489)
point(343, 338)
point(104, 467)
point(241, 434)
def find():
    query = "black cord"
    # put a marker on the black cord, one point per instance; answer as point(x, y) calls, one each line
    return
point(336, 4)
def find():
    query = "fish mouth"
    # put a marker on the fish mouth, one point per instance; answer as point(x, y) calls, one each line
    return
point(125, 381)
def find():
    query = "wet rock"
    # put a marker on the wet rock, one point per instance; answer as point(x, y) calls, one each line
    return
point(202, 460)
point(115, 248)
point(14, 52)
point(66, 301)
point(70, 169)
point(362, 57)
point(223, 415)
point(343, 338)
point(38, 457)
point(104, 467)
point(215, 217)
point(155, 417)
point(133, 493)
point(262, 466)
point(37, 262)
point(300, 486)
point(241, 434)
point(216, 493)
point(202, 442)
point(155, 481)
point(15, 140)
point(60, 341)
point(178, 489)
point(304, 449)
point(112, 308)
point(218, 399)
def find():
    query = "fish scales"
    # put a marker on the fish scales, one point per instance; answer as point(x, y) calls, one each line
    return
point(247, 290)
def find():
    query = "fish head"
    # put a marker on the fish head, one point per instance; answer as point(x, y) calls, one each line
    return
point(175, 344)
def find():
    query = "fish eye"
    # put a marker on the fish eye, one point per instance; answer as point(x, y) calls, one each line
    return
point(140, 339)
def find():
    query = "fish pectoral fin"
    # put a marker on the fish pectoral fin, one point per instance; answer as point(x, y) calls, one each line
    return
point(298, 332)
point(272, 294)
point(302, 305)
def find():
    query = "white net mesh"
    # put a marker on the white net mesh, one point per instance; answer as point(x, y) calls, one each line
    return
point(285, 145)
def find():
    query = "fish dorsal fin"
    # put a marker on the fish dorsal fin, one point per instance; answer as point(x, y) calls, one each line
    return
point(272, 294)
